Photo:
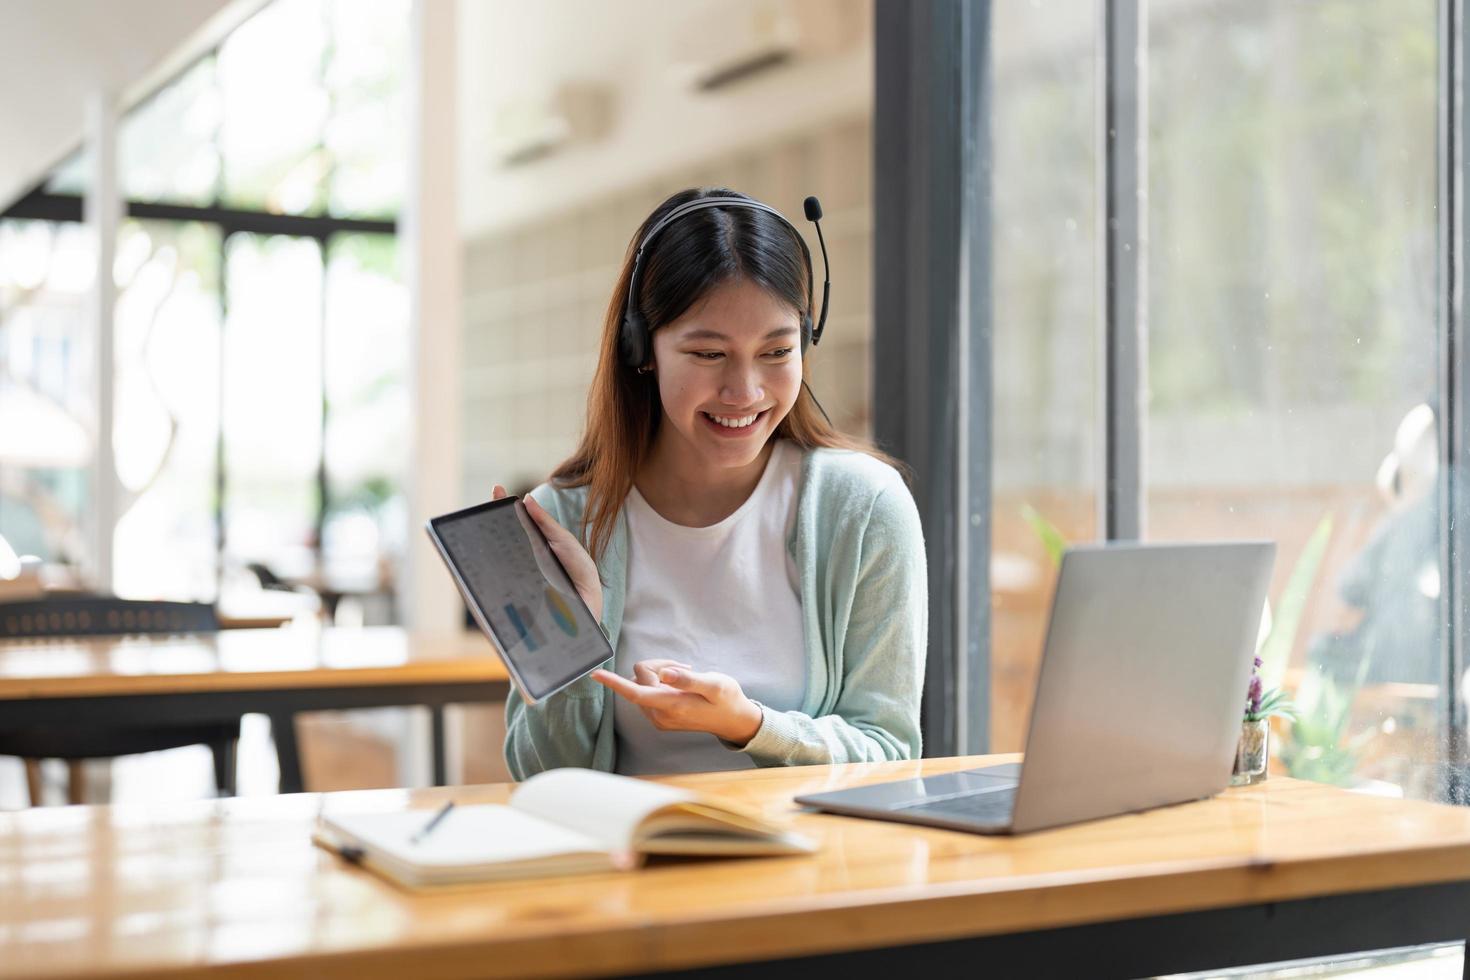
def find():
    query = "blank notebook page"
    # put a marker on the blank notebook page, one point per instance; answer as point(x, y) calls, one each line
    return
point(468, 835)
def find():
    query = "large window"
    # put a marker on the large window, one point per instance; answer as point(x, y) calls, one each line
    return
point(368, 416)
point(1292, 350)
point(166, 424)
point(1292, 323)
point(261, 332)
point(272, 404)
point(46, 379)
point(1045, 338)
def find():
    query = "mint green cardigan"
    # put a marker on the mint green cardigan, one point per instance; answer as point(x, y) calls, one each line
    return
point(859, 551)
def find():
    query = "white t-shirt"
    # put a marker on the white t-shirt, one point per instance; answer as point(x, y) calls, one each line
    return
point(724, 598)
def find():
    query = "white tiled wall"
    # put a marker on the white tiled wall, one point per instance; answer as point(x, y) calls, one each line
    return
point(536, 296)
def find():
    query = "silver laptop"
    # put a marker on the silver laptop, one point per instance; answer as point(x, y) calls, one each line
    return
point(1138, 703)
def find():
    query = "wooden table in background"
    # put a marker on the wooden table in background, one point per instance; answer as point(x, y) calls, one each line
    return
point(219, 677)
point(233, 888)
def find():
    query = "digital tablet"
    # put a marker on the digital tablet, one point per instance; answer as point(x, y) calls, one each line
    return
point(520, 595)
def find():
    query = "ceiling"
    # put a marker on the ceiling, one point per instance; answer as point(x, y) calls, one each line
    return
point(54, 54)
point(627, 69)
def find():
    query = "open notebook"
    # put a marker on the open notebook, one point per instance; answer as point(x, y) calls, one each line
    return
point(565, 821)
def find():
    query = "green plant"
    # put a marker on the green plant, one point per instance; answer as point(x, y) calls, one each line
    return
point(1275, 704)
point(1267, 697)
point(1275, 651)
point(1261, 704)
point(368, 494)
point(1315, 747)
point(1052, 540)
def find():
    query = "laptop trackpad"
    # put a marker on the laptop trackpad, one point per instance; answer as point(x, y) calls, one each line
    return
point(971, 782)
point(907, 793)
point(1010, 771)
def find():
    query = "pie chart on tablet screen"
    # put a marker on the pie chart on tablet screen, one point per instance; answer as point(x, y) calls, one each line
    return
point(561, 613)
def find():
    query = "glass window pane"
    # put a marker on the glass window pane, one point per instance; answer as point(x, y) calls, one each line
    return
point(46, 388)
point(272, 402)
point(365, 132)
point(368, 413)
point(166, 427)
point(274, 105)
point(166, 145)
point(1292, 347)
point(1044, 307)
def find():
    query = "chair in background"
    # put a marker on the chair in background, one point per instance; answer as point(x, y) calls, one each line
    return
point(77, 615)
point(326, 599)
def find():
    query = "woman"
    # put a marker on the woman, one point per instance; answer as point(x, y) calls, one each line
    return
point(760, 576)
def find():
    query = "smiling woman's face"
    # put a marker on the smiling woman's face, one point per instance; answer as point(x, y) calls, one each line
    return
point(729, 370)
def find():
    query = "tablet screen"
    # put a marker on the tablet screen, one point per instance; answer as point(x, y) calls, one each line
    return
point(520, 592)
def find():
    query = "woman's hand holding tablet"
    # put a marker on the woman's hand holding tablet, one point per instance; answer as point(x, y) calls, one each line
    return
point(531, 587)
point(568, 550)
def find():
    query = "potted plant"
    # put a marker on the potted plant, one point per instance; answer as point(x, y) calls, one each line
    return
point(1253, 749)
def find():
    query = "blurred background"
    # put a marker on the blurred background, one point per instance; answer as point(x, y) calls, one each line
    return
point(316, 341)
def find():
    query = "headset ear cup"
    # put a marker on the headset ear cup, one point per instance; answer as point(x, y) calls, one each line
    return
point(633, 341)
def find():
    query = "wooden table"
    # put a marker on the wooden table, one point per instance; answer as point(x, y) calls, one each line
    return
point(219, 677)
point(232, 888)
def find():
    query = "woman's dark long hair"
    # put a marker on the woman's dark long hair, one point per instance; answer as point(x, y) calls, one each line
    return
point(689, 258)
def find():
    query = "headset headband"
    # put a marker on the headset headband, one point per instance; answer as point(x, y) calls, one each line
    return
point(635, 342)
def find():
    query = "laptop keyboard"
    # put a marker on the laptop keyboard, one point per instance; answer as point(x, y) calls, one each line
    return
point(993, 807)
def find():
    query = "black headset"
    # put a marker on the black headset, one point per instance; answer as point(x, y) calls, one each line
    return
point(635, 343)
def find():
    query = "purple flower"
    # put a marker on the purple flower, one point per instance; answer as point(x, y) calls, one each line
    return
point(1259, 661)
point(1254, 694)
